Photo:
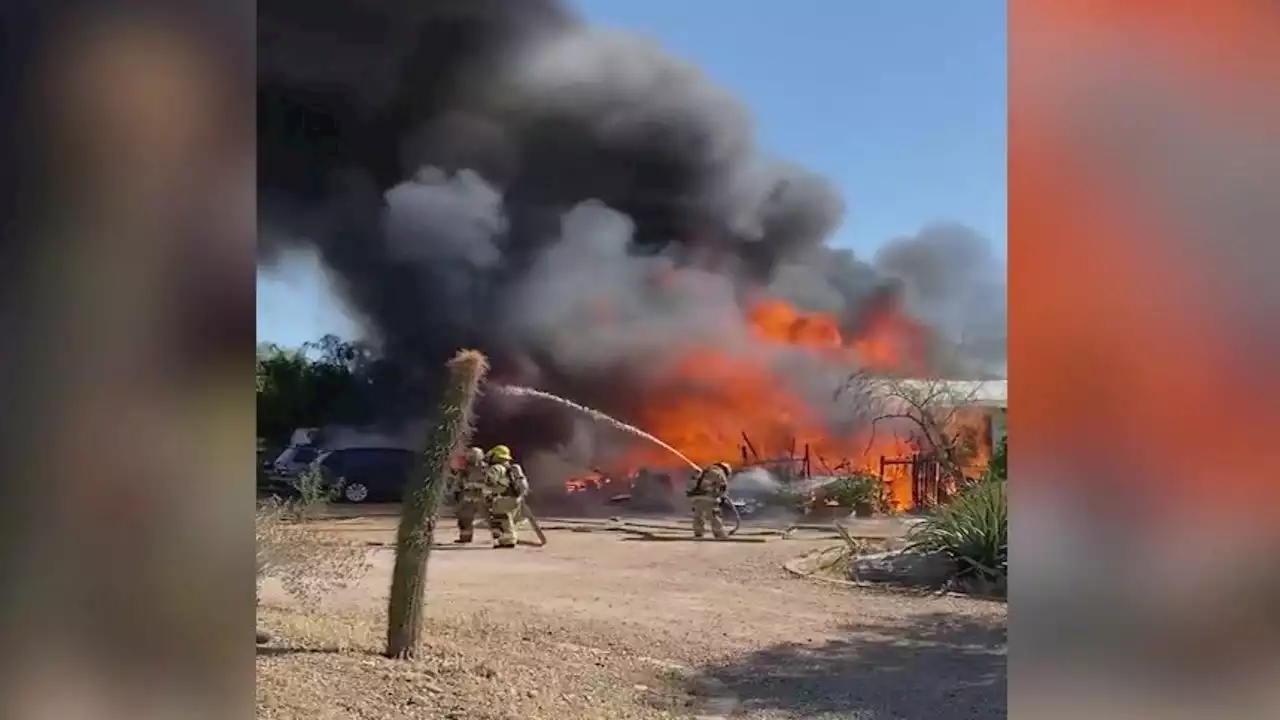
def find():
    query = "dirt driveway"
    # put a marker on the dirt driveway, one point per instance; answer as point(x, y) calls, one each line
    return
point(613, 624)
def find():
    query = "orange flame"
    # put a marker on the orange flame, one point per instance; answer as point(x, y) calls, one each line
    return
point(711, 398)
point(587, 482)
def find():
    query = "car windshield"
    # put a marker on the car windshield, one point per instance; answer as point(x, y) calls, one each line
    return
point(297, 455)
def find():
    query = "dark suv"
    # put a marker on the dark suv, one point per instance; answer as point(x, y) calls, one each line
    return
point(369, 474)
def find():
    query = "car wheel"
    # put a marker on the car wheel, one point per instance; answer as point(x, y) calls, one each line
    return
point(355, 492)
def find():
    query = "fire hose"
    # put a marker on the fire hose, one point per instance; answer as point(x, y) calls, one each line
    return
point(725, 502)
point(524, 513)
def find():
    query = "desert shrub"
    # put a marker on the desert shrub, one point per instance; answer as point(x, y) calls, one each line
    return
point(309, 564)
point(784, 498)
point(315, 489)
point(859, 489)
point(791, 499)
point(972, 530)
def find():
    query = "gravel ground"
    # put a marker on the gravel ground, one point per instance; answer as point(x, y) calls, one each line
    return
point(607, 625)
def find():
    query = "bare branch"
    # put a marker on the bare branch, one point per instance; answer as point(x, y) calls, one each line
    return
point(932, 407)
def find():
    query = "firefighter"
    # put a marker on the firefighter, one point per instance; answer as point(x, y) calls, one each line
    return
point(707, 490)
point(469, 494)
point(507, 487)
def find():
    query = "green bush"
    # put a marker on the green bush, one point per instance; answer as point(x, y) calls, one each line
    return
point(785, 498)
point(972, 530)
point(859, 489)
point(315, 490)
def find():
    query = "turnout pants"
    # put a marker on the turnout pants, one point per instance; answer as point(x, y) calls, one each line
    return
point(706, 511)
point(469, 508)
point(502, 521)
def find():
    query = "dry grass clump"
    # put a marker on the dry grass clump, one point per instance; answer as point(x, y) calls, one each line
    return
point(309, 564)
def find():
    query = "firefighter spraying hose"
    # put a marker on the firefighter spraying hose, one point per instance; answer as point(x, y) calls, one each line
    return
point(709, 494)
point(709, 490)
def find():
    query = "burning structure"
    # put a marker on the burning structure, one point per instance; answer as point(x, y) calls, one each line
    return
point(939, 431)
point(596, 217)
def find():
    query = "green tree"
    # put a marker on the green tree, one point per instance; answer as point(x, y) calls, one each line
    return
point(285, 391)
point(323, 382)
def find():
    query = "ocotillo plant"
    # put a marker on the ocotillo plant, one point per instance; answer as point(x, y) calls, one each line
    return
point(451, 431)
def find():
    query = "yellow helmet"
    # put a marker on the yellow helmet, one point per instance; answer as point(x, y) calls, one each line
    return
point(501, 453)
point(475, 454)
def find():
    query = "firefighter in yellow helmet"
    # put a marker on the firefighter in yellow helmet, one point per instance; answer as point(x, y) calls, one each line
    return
point(707, 490)
point(506, 487)
point(469, 483)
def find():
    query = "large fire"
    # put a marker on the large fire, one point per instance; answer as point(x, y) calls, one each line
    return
point(712, 402)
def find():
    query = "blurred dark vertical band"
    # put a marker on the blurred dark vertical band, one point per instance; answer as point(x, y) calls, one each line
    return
point(126, 206)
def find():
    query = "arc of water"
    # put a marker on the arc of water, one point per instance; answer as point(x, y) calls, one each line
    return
point(524, 392)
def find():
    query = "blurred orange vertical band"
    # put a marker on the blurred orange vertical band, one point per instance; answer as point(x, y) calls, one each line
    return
point(1119, 364)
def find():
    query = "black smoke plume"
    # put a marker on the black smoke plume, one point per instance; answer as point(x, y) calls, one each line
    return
point(496, 174)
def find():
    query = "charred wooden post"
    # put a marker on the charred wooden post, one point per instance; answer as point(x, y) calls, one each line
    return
point(747, 441)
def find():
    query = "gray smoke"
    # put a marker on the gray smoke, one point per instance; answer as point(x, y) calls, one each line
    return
point(953, 282)
point(493, 173)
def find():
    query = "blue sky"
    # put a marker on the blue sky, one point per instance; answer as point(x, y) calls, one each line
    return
point(901, 103)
